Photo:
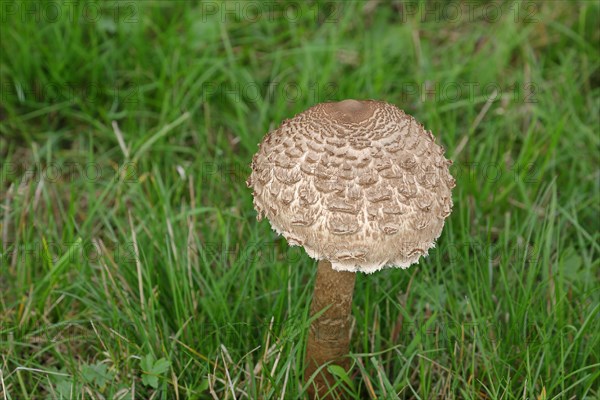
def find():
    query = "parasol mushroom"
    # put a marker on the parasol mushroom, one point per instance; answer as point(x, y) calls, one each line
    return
point(361, 186)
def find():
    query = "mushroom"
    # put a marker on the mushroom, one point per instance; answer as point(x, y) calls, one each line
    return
point(361, 185)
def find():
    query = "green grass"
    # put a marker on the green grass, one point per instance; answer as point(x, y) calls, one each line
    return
point(138, 270)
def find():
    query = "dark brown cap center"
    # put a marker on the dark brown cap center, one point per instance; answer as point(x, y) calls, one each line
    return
point(349, 111)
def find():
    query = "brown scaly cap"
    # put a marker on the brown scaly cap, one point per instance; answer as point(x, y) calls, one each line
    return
point(358, 183)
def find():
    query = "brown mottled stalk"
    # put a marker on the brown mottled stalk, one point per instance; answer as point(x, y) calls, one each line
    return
point(329, 336)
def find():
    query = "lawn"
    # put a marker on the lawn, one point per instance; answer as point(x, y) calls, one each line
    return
point(132, 265)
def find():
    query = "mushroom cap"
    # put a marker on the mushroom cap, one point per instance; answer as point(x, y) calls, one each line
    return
point(359, 183)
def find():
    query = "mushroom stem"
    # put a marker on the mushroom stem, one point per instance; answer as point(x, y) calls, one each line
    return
point(329, 335)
